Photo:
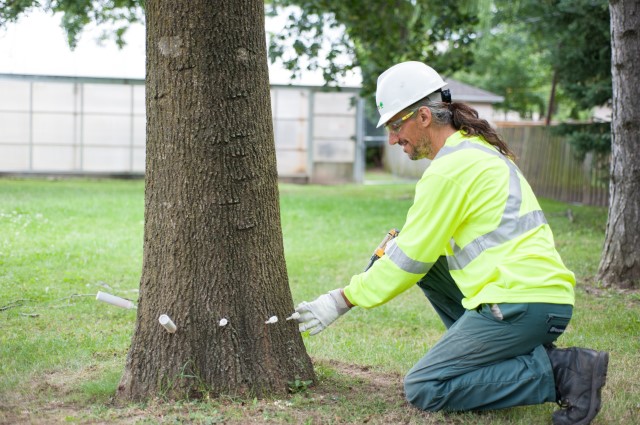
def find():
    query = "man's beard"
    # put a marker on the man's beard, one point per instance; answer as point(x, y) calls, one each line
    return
point(422, 149)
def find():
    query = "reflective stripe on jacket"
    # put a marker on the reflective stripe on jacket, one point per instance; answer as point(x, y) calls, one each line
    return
point(473, 205)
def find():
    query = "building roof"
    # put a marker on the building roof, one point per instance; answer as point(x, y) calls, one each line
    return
point(461, 92)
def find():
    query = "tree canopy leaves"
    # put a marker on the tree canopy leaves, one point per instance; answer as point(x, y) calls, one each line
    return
point(374, 35)
point(77, 14)
point(574, 37)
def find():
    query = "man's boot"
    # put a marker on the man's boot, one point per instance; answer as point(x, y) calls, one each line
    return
point(580, 375)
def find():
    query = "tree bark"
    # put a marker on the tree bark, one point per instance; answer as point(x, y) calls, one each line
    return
point(620, 263)
point(212, 239)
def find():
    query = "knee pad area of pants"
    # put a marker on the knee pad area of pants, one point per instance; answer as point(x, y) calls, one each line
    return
point(422, 394)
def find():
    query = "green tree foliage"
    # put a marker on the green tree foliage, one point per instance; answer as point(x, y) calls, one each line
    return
point(507, 63)
point(574, 37)
point(529, 42)
point(373, 35)
point(76, 14)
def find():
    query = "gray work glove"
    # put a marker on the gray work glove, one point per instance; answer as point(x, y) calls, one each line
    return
point(317, 315)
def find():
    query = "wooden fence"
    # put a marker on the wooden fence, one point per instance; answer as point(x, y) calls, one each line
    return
point(550, 165)
point(548, 162)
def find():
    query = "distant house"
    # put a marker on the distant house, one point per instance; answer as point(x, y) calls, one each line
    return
point(479, 99)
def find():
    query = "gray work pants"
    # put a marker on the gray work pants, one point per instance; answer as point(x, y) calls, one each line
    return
point(485, 361)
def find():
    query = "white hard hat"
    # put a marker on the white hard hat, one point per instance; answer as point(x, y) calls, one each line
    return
point(402, 85)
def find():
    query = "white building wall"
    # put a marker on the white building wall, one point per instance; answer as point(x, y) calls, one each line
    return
point(89, 125)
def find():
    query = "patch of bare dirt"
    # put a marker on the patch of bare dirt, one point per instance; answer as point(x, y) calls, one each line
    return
point(347, 394)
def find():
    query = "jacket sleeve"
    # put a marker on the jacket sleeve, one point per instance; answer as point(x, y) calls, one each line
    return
point(438, 209)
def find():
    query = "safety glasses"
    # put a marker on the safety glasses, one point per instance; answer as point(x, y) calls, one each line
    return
point(394, 126)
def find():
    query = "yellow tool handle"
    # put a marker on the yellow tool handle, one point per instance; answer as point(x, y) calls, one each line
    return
point(379, 252)
point(380, 249)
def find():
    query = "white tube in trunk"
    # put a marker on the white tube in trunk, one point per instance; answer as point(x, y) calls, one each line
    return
point(112, 299)
point(167, 323)
point(272, 319)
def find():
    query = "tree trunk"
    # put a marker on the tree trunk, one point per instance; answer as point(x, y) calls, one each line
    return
point(620, 264)
point(212, 240)
point(552, 99)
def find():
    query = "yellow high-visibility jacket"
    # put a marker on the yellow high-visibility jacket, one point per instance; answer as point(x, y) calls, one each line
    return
point(473, 205)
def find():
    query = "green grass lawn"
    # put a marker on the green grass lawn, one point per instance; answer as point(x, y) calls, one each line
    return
point(62, 353)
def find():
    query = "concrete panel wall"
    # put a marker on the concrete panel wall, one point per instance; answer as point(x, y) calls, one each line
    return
point(91, 125)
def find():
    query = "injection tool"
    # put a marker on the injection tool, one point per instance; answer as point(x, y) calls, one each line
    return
point(379, 251)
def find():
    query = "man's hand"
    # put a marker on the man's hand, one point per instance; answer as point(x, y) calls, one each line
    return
point(318, 314)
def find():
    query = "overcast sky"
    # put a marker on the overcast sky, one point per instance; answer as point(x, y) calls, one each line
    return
point(37, 45)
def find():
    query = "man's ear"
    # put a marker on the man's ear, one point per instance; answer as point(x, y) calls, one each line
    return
point(424, 115)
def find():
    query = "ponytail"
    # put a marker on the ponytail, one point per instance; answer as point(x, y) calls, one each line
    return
point(464, 118)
